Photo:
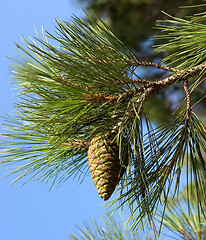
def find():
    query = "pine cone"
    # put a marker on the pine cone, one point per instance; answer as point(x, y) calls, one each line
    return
point(104, 165)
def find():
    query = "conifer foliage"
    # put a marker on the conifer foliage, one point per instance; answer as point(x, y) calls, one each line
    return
point(82, 101)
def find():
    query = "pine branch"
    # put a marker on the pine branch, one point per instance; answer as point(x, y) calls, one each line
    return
point(88, 87)
point(181, 75)
point(183, 40)
point(188, 99)
point(182, 221)
point(150, 87)
point(136, 62)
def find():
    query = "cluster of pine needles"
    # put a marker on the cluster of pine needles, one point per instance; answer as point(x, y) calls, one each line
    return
point(87, 85)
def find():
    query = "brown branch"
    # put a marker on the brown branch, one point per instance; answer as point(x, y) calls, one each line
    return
point(136, 62)
point(180, 76)
point(149, 88)
point(188, 98)
point(190, 93)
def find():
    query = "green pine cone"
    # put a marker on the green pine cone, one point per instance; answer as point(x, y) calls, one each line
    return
point(104, 165)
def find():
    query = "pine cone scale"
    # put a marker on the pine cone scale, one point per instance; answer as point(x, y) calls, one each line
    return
point(104, 165)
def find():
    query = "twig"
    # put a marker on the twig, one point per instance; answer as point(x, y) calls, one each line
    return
point(149, 87)
point(136, 62)
point(147, 90)
point(188, 98)
point(153, 87)
point(190, 93)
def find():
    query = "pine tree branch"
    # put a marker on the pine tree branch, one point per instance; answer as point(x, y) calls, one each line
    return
point(190, 93)
point(181, 75)
point(151, 87)
point(188, 99)
point(86, 88)
point(136, 62)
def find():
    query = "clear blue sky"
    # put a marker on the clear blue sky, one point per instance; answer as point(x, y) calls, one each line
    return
point(32, 212)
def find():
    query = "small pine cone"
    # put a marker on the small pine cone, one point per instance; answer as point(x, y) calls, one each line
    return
point(104, 165)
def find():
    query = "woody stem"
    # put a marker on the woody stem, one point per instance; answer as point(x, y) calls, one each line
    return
point(136, 62)
point(188, 98)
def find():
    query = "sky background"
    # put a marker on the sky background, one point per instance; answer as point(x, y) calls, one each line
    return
point(32, 212)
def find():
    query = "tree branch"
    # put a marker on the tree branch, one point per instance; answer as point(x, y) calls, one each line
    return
point(153, 87)
point(188, 98)
point(136, 62)
point(148, 88)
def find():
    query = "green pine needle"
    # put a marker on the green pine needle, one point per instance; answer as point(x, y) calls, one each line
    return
point(108, 228)
point(183, 39)
point(186, 224)
point(84, 86)
point(159, 157)
point(58, 102)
